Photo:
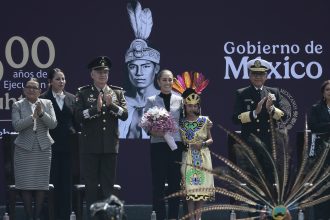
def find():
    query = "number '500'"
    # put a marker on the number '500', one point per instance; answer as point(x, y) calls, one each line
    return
point(25, 57)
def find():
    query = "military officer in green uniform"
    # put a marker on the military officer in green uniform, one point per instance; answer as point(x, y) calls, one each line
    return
point(98, 108)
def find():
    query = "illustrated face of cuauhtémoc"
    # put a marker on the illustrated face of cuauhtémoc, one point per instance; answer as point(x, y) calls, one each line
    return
point(142, 73)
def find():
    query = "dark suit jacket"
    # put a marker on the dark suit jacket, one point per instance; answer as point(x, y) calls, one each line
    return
point(66, 124)
point(247, 100)
point(319, 118)
point(319, 122)
point(100, 131)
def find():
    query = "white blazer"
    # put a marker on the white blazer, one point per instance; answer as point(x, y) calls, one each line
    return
point(23, 123)
point(175, 109)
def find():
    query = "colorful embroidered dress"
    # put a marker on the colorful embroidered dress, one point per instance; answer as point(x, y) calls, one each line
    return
point(196, 132)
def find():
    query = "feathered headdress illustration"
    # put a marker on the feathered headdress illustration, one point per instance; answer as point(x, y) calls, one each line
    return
point(285, 192)
point(190, 85)
point(141, 22)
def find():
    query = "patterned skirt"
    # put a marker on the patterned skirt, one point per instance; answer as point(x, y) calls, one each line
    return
point(194, 178)
point(32, 168)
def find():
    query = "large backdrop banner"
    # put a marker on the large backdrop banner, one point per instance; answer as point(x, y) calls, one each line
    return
point(216, 38)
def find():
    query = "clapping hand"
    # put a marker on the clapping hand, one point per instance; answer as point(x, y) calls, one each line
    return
point(108, 99)
point(259, 106)
point(270, 99)
point(38, 110)
point(99, 101)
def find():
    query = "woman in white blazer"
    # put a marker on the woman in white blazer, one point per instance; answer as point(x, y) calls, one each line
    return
point(164, 166)
point(32, 118)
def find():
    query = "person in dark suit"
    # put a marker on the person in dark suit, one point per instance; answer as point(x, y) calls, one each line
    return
point(319, 123)
point(164, 166)
point(255, 106)
point(61, 167)
point(319, 116)
point(254, 103)
point(33, 117)
point(98, 108)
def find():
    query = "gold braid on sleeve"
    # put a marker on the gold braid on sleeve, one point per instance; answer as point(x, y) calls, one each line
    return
point(245, 117)
point(278, 113)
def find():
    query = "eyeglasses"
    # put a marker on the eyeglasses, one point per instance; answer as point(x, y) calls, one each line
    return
point(31, 87)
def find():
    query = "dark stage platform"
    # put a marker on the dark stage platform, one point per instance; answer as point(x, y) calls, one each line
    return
point(142, 212)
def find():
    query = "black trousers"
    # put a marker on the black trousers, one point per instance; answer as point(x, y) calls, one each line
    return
point(165, 169)
point(61, 178)
point(98, 169)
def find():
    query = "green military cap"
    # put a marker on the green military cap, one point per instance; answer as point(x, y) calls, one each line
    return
point(101, 62)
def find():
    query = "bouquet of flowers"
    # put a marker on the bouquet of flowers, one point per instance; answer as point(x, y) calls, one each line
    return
point(160, 120)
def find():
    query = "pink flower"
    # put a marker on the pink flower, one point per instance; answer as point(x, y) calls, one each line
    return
point(159, 120)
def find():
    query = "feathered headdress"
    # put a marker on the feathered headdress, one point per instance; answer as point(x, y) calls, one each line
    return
point(141, 22)
point(190, 85)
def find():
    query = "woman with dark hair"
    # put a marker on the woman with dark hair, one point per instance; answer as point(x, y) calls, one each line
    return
point(61, 168)
point(164, 166)
point(319, 117)
point(33, 117)
point(319, 122)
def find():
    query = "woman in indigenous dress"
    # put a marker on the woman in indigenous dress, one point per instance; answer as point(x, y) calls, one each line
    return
point(196, 135)
point(195, 132)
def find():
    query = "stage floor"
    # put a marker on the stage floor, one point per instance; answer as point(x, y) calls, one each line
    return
point(142, 212)
point(133, 212)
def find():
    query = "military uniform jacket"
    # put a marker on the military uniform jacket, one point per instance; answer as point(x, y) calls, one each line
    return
point(100, 129)
point(246, 101)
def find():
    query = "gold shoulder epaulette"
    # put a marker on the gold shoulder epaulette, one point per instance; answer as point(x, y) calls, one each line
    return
point(84, 87)
point(115, 87)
